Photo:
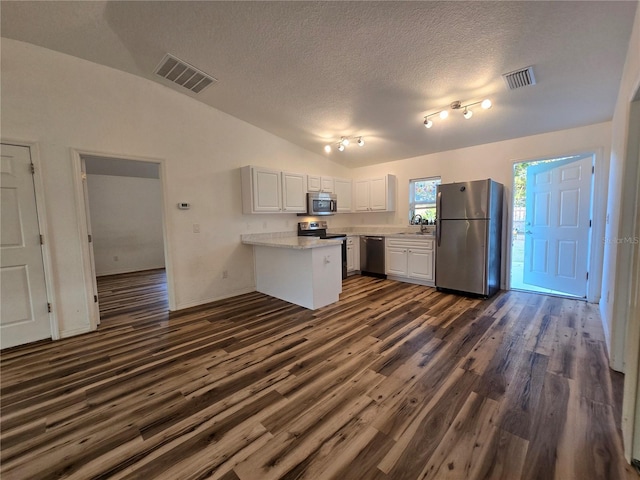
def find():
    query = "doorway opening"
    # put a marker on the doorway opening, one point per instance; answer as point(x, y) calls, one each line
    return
point(125, 223)
point(550, 238)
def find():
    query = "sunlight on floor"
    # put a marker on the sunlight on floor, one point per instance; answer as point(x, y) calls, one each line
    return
point(517, 270)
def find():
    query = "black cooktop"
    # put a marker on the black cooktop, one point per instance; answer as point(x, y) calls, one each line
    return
point(334, 235)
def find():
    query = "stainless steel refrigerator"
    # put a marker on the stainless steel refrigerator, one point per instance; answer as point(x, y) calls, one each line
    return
point(469, 237)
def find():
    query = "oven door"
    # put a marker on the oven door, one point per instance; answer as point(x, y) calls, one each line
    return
point(321, 203)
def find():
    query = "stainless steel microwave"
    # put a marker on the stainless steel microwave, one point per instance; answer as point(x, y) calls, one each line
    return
point(322, 203)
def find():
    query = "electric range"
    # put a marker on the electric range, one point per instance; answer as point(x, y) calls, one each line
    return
point(319, 229)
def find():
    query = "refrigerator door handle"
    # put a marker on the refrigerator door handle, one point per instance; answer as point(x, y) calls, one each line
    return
point(438, 220)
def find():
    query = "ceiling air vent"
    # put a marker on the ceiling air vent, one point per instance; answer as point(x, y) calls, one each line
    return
point(185, 75)
point(519, 78)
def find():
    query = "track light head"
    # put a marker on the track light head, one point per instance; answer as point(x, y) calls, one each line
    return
point(342, 144)
point(467, 113)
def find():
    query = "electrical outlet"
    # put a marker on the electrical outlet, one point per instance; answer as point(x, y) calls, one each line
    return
point(115, 258)
point(225, 274)
point(196, 228)
point(264, 225)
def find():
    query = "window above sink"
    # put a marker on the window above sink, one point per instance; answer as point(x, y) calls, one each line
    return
point(422, 199)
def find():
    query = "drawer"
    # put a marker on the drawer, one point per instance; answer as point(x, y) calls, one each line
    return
point(422, 243)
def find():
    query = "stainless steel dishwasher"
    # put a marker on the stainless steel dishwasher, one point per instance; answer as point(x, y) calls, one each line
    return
point(372, 256)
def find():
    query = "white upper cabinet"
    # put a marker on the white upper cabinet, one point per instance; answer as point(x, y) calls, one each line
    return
point(327, 184)
point(376, 194)
point(362, 188)
point(344, 191)
point(271, 191)
point(316, 183)
point(266, 190)
point(294, 192)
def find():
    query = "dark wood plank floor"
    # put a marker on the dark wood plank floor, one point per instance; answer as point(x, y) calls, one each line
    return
point(395, 381)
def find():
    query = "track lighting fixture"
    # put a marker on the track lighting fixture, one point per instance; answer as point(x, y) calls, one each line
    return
point(344, 142)
point(457, 105)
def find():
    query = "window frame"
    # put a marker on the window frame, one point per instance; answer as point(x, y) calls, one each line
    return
point(412, 203)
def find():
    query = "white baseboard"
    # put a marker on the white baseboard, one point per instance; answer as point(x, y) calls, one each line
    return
point(196, 303)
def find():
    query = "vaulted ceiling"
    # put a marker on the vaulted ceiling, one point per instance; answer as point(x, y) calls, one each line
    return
point(311, 72)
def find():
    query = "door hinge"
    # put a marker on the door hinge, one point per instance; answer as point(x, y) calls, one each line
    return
point(95, 299)
point(589, 223)
point(41, 240)
point(49, 307)
point(593, 169)
point(90, 239)
point(33, 169)
point(587, 275)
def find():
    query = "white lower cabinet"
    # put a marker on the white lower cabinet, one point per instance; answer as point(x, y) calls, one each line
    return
point(420, 264)
point(353, 254)
point(411, 260)
point(396, 258)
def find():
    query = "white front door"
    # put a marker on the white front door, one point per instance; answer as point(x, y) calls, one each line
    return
point(556, 241)
point(24, 317)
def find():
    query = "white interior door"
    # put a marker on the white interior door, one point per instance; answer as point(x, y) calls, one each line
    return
point(556, 242)
point(25, 316)
point(92, 258)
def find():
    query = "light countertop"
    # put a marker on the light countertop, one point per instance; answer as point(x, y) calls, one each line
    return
point(294, 242)
point(291, 240)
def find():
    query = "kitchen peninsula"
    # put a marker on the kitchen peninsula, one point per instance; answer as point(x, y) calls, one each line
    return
point(306, 271)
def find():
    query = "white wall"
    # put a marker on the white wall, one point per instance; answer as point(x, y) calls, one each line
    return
point(495, 160)
point(62, 102)
point(126, 221)
point(491, 160)
point(612, 308)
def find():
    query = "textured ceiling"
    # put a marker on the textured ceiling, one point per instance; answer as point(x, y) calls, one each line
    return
point(311, 72)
